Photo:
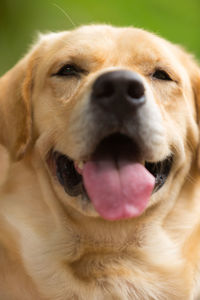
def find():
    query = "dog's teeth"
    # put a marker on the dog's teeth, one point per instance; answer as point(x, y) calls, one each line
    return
point(80, 165)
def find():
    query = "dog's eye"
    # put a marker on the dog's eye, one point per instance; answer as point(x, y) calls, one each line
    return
point(69, 70)
point(161, 75)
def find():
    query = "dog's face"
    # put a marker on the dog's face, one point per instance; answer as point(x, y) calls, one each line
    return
point(113, 116)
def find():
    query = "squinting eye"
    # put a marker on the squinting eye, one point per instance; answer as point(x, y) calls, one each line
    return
point(161, 75)
point(69, 70)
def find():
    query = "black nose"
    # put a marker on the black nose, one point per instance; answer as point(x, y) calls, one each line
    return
point(120, 92)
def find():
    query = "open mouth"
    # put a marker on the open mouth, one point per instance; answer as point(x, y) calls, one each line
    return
point(116, 179)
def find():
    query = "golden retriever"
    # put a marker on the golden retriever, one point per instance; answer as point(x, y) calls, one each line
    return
point(99, 181)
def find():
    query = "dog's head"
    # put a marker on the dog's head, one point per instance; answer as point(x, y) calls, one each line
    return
point(113, 112)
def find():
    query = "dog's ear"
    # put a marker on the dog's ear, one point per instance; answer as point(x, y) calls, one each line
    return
point(4, 164)
point(193, 70)
point(196, 88)
point(194, 74)
point(15, 107)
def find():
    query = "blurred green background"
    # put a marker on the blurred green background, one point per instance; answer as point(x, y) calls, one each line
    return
point(20, 20)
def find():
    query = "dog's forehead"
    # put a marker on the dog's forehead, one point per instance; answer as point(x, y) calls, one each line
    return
point(116, 35)
point(99, 40)
point(97, 46)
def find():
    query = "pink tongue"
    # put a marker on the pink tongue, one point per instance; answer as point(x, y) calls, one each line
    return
point(118, 191)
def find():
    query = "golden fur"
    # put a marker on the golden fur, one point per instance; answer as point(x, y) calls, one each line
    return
point(53, 246)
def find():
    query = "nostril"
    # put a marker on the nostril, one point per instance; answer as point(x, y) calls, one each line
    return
point(118, 91)
point(135, 89)
point(105, 90)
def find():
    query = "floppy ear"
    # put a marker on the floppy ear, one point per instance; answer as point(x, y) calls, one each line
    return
point(194, 73)
point(196, 89)
point(193, 69)
point(15, 107)
point(4, 163)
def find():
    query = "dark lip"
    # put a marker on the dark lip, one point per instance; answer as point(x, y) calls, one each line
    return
point(160, 171)
point(63, 170)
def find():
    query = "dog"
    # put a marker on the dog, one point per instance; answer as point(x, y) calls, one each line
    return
point(99, 183)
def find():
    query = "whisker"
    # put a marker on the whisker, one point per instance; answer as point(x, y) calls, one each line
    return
point(66, 14)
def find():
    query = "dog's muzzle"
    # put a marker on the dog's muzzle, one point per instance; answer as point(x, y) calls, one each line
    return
point(116, 176)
